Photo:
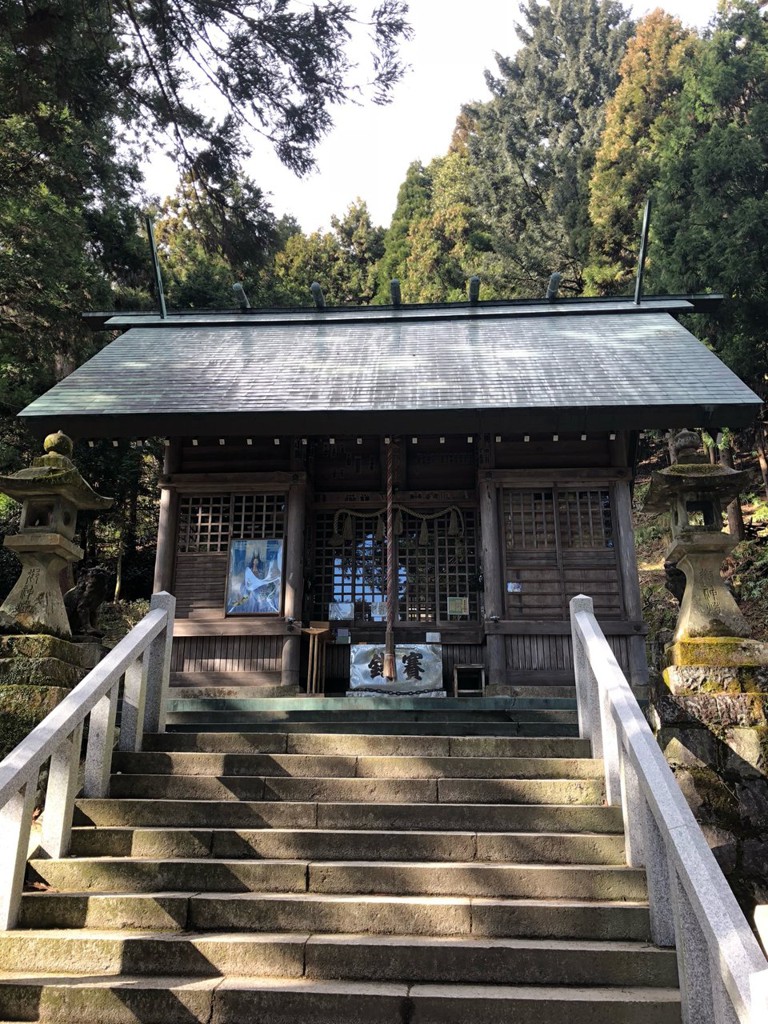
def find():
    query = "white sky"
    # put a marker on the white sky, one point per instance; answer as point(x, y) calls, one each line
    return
point(369, 150)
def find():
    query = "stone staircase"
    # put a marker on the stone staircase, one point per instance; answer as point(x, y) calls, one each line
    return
point(307, 873)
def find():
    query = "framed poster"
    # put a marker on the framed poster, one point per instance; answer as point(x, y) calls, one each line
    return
point(255, 577)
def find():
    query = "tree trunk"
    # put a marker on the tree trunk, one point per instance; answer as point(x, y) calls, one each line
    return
point(735, 515)
point(761, 456)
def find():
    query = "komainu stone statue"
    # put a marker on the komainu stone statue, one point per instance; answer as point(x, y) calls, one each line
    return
point(83, 601)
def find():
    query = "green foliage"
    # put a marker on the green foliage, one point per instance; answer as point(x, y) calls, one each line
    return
point(10, 567)
point(413, 203)
point(713, 186)
point(535, 142)
point(210, 235)
point(344, 261)
point(278, 67)
point(628, 158)
point(751, 579)
point(123, 538)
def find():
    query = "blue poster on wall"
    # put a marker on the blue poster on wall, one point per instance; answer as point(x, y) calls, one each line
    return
point(255, 577)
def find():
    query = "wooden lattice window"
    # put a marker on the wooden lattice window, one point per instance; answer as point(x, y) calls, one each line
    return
point(437, 569)
point(353, 572)
point(585, 518)
point(208, 522)
point(559, 542)
point(529, 520)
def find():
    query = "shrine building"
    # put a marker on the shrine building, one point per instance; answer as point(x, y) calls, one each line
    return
point(506, 431)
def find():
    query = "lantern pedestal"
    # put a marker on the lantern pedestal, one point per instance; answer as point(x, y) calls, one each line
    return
point(36, 603)
point(708, 608)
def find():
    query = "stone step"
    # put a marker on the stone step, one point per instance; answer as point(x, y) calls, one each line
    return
point(622, 920)
point(354, 766)
point(523, 711)
point(436, 878)
point(328, 844)
point(126, 1000)
point(366, 744)
point(299, 954)
point(517, 708)
point(255, 788)
point(208, 684)
point(361, 815)
point(319, 708)
point(203, 721)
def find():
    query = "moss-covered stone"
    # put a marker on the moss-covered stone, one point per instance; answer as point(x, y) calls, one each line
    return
point(718, 652)
point(717, 711)
point(39, 672)
point(22, 708)
point(689, 745)
point(694, 469)
point(710, 799)
point(711, 679)
point(747, 752)
point(41, 645)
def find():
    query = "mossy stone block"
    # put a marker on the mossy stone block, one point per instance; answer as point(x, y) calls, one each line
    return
point(22, 708)
point(40, 645)
point(718, 652)
point(22, 671)
point(710, 799)
point(747, 752)
point(689, 745)
point(694, 679)
point(716, 712)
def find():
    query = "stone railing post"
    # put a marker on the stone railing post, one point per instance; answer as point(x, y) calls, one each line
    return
point(15, 828)
point(658, 879)
point(582, 671)
point(58, 738)
point(60, 795)
point(158, 659)
point(101, 739)
point(693, 961)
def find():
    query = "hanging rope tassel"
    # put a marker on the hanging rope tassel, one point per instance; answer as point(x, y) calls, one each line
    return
point(390, 669)
point(348, 533)
point(453, 524)
point(336, 539)
point(423, 534)
point(380, 530)
point(398, 521)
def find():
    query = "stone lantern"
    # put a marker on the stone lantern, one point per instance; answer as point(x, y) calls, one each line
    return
point(695, 491)
point(52, 492)
point(710, 713)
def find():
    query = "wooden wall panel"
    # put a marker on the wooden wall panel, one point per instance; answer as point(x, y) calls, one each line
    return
point(540, 452)
point(200, 584)
point(553, 654)
point(227, 654)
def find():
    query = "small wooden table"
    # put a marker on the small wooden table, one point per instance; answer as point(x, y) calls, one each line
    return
point(319, 635)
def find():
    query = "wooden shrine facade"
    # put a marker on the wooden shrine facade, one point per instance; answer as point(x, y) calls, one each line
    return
point(494, 536)
point(514, 425)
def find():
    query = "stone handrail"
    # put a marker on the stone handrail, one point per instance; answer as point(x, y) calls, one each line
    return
point(142, 659)
point(723, 973)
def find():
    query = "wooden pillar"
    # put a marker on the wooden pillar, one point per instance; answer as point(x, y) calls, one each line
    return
point(293, 568)
point(630, 581)
point(167, 527)
point(492, 584)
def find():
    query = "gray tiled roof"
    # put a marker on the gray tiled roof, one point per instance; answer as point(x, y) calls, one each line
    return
point(588, 370)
